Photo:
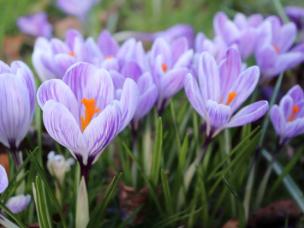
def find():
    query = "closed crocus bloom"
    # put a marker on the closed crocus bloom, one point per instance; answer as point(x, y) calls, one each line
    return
point(3, 179)
point(218, 91)
point(78, 8)
point(275, 53)
point(18, 203)
point(51, 58)
point(17, 94)
point(81, 113)
point(169, 65)
point(242, 31)
point(288, 117)
point(58, 165)
point(35, 25)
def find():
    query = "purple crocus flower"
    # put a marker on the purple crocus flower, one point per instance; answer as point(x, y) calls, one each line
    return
point(216, 47)
point(78, 8)
point(296, 14)
point(3, 179)
point(18, 203)
point(288, 117)
point(169, 65)
point(81, 113)
point(52, 58)
point(35, 25)
point(275, 54)
point(242, 31)
point(17, 94)
point(218, 90)
point(176, 32)
point(132, 63)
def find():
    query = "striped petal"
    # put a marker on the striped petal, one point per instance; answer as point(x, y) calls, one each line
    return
point(128, 102)
point(15, 113)
point(249, 114)
point(57, 90)
point(87, 81)
point(102, 130)
point(208, 77)
point(62, 127)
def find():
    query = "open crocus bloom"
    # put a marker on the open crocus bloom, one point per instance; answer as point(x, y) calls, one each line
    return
point(17, 99)
point(242, 31)
point(132, 63)
point(52, 58)
point(35, 25)
point(275, 54)
point(218, 91)
point(81, 113)
point(288, 117)
point(169, 65)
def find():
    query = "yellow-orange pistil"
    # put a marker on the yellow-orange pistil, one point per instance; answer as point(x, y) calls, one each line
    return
point(231, 97)
point(164, 67)
point(72, 53)
point(294, 111)
point(90, 109)
point(276, 48)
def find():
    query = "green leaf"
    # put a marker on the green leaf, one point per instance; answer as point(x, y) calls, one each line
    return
point(99, 211)
point(291, 164)
point(12, 216)
point(167, 193)
point(157, 153)
point(41, 203)
point(289, 183)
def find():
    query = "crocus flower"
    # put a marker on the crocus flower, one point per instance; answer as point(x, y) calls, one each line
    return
point(275, 54)
point(3, 179)
point(78, 8)
point(218, 91)
point(18, 203)
point(17, 93)
point(288, 117)
point(296, 14)
point(35, 25)
point(132, 63)
point(176, 32)
point(81, 113)
point(242, 31)
point(216, 47)
point(169, 65)
point(52, 58)
point(58, 165)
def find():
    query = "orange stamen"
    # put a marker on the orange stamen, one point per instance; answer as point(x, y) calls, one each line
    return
point(231, 97)
point(164, 67)
point(109, 57)
point(72, 53)
point(90, 110)
point(276, 48)
point(295, 110)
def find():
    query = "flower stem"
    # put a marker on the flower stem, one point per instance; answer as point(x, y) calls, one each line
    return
point(15, 155)
point(84, 171)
